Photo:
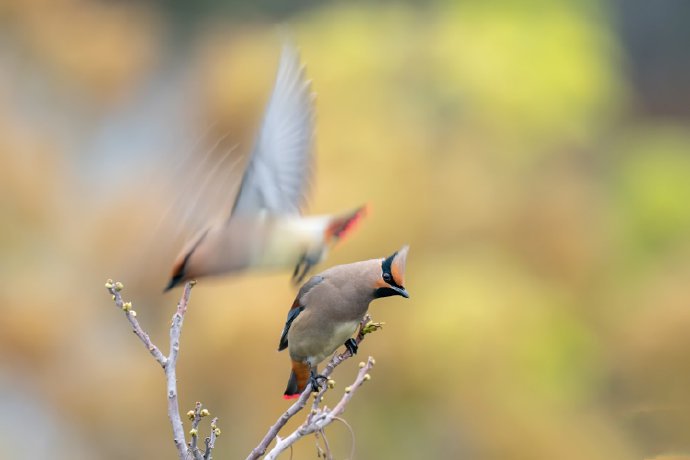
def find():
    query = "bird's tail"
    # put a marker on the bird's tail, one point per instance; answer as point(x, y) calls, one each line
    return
point(342, 225)
point(299, 377)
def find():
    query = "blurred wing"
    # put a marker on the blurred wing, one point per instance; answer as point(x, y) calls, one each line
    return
point(197, 187)
point(279, 170)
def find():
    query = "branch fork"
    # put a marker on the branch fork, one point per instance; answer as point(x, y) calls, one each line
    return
point(318, 418)
point(169, 363)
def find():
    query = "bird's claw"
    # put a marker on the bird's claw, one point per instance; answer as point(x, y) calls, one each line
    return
point(314, 380)
point(302, 268)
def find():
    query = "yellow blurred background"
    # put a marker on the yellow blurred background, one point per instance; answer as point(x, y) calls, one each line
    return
point(534, 154)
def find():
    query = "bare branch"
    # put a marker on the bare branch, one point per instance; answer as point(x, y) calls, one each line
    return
point(169, 362)
point(211, 440)
point(171, 375)
point(195, 416)
point(366, 326)
point(114, 289)
point(323, 417)
point(327, 454)
point(352, 435)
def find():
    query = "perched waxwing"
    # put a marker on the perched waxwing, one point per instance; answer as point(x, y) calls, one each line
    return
point(329, 308)
point(265, 228)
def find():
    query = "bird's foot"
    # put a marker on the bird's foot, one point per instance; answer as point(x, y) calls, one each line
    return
point(298, 267)
point(314, 380)
point(351, 345)
point(303, 266)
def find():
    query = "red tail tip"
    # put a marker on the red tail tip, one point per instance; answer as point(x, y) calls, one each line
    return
point(363, 210)
point(340, 228)
point(291, 396)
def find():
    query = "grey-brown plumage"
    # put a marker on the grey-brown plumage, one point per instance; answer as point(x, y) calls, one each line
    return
point(264, 228)
point(330, 306)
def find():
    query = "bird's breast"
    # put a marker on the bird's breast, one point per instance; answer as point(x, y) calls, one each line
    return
point(337, 337)
point(284, 239)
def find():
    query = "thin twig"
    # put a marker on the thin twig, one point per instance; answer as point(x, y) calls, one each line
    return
point(211, 440)
point(131, 315)
point(319, 450)
point(328, 455)
point(352, 435)
point(195, 416)
point(324, 416)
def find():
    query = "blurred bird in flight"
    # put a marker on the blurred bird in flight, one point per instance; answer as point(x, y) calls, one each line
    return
point(264, 228)
point(328, 309)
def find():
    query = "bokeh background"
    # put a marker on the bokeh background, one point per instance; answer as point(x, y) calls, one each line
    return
point(534, 154)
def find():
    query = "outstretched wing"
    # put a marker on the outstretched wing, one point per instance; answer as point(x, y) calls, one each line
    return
point(279, 171)
point(296, 309)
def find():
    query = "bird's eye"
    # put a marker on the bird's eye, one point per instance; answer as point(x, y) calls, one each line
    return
point(387, 277)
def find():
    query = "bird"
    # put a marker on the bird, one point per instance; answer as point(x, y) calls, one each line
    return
point(264, 227)
point(329, 307)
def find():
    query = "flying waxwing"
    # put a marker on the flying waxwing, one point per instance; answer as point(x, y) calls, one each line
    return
point(265, 228)
point(328, 309)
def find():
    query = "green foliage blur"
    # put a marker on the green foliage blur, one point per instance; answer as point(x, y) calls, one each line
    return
point(506, 141)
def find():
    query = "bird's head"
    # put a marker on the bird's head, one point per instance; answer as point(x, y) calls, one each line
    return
point(392, 279)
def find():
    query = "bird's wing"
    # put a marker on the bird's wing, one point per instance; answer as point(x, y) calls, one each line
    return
point(297, 308)
point(279, 170)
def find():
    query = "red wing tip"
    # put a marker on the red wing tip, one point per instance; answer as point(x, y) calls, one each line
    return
point(291, 396)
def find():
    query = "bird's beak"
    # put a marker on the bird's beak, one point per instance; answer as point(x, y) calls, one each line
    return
point(401, 291)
